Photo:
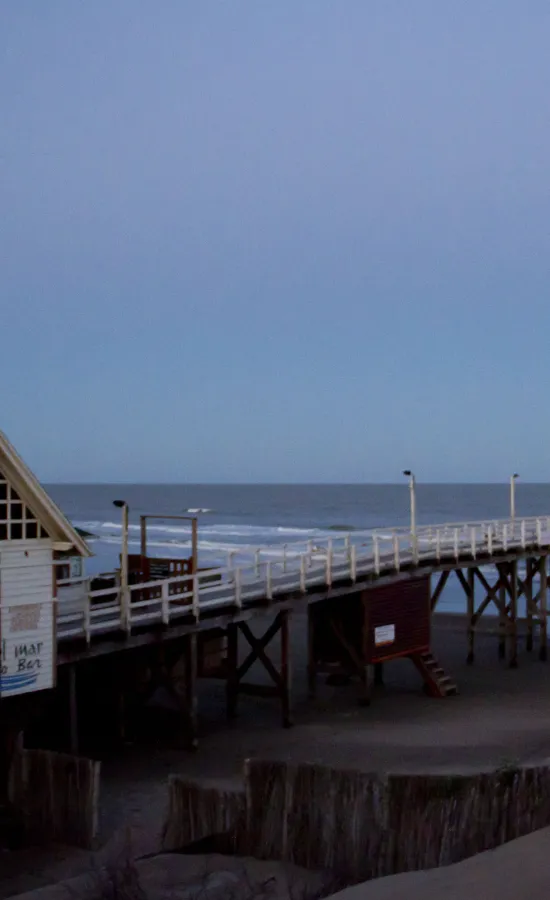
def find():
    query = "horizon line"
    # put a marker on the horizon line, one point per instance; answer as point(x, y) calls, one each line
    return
point(284, 483)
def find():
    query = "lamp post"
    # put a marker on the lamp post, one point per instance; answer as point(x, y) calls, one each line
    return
point(513, 479)
point(121, 504)
point(412, 488)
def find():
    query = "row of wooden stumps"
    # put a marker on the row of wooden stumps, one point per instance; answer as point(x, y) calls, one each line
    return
point(506, 593)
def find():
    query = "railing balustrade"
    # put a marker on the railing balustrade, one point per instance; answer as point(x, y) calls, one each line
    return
point(265, 572)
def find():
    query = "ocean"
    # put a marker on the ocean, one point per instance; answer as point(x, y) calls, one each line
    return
point(234, 516)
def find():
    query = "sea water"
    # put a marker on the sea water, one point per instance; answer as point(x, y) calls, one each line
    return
point(233, 517)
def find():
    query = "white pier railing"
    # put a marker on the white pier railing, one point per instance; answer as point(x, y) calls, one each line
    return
point(263, 573)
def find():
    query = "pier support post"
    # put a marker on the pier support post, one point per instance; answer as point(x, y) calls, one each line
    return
point(73, 711)
point(367, 681)
point(501, 614)
point(543, 608)
point(232, 682)
point(311, 662)
point(285, 669)
point(191, 699)
point(443, 579)
point(471, 613)
point(281, 678)
point(528, 592)
point(513, 617)
point(468, 585)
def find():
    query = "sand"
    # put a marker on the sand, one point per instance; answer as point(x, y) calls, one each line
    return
point(196, 877)
point(519, 870)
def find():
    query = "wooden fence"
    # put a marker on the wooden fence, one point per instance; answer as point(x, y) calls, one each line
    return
point(196, 812)
point(56, 796)
point(359, 825)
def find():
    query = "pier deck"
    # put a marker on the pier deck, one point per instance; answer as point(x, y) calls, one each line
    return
point(284, 577)
point(120, 643)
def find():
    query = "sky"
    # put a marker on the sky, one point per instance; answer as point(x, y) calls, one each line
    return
point(296, 241)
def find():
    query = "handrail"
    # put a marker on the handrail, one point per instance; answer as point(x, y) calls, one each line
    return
point(299, 567)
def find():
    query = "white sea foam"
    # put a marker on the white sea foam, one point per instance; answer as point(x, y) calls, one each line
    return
point(215, 541)
point(254, 533)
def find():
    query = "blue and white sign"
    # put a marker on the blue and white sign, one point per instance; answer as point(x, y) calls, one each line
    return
point(27, 651)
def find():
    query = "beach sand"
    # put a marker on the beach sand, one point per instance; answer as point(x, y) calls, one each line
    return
point(519, 870)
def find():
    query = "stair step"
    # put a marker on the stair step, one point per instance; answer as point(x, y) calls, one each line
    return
point(436, 680)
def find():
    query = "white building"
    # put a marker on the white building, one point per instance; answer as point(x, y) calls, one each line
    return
point(38, 547)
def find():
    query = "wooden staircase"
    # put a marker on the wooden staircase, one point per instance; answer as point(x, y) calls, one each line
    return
point(436, 682)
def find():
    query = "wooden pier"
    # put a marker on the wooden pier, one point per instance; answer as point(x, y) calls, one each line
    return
point(369, 597)
point(165, 623)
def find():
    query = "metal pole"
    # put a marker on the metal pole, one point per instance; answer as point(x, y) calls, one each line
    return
point(124, 553)
point(412, 489)
point(195, 544)
point(513, 496)
point(143, 529)
point(412, 485)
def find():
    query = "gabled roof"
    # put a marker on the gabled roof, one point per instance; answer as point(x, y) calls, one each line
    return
point(33, 494)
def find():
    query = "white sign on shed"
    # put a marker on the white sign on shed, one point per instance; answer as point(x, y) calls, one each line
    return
point(383, 635)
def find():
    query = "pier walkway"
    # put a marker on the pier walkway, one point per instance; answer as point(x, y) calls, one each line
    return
point(282, 574)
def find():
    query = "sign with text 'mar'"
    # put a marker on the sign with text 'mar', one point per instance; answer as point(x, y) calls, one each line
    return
point(28, 648)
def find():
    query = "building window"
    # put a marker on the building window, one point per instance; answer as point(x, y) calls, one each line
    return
point(31, 530)
point(17, 521)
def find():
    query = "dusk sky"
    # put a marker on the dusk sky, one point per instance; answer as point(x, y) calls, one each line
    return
point(298, 240)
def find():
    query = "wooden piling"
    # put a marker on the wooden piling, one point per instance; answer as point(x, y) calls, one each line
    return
point(367, 683)
point(232, 682)
point(73, 710)
point(471, 613)
point(528, 593)
point(513, 617)
point(443, 579)
point(502, 614)
point(285, 670)
point(311, 662)
point(191, 699)
point(543, 604)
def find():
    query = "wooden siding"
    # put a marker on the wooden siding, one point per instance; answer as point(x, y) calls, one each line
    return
point(404, 608)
